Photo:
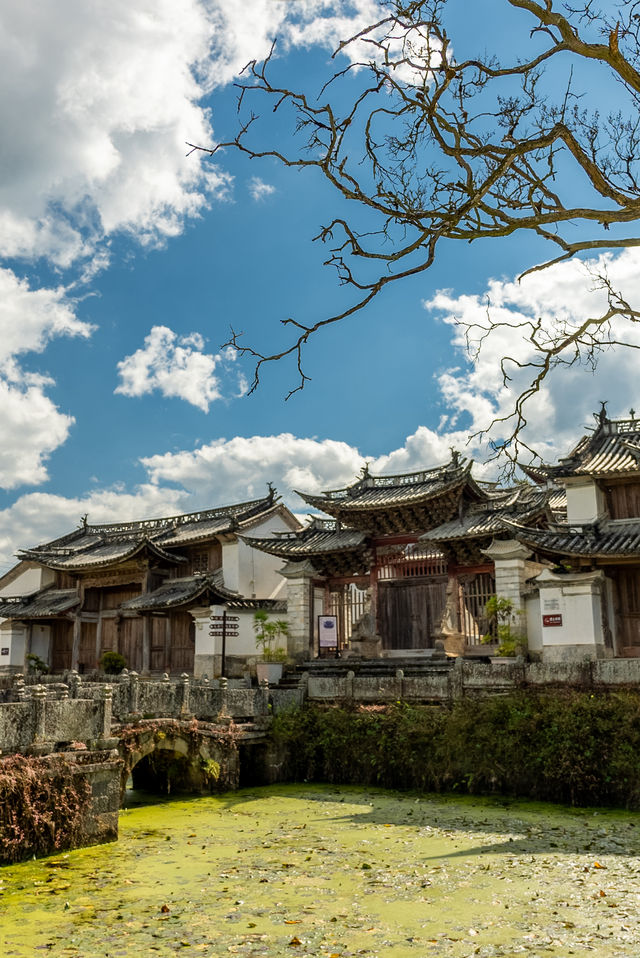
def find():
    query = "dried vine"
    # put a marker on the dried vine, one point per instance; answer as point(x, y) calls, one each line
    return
point(42, 802)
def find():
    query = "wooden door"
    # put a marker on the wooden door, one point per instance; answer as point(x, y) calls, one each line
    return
point(183, 636)
point(158, 632)
point(108, 634)
point(628, 611)
point(61, 646)
point(410, 612)
point(130, 642)
point(87, 658)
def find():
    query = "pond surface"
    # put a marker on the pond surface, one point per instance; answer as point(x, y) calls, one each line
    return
point(336, 872)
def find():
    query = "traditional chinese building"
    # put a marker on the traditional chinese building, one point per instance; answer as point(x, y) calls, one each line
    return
point(594, 550)
point(403, 553)
point(142, 589)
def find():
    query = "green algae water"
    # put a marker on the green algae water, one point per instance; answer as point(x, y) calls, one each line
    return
point(336, 872)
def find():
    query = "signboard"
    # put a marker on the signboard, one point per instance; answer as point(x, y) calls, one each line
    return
point(328, 631)
point(4, 652)
point(551, 620)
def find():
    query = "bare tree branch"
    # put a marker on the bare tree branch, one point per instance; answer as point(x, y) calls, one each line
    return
point(431, 147)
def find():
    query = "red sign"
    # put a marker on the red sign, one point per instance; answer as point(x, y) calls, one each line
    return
point(551, 620)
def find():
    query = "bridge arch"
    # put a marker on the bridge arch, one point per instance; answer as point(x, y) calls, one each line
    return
point(169, 756)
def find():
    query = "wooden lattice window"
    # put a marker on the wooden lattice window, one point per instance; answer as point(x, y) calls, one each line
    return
point(200, 563)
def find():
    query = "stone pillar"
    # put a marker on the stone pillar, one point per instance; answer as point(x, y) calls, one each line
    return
point(509, 558)
point(299, 576)
point(571, 615)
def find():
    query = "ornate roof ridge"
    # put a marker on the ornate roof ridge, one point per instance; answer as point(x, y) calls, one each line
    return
point(457, 466)
point(114, 531)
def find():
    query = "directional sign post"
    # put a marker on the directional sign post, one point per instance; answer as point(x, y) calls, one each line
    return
point(224, 625)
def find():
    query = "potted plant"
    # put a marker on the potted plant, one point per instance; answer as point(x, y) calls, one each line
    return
point(502, 618)
point(268, 632)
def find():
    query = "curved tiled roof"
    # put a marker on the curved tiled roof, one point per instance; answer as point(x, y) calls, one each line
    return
point(486, 518)
point(102, 553)
point(612, 449)
point(98, 546)
point(41, 605)
point(374, 492)
point(324, 541)
point(609, 539)
point(178, 592)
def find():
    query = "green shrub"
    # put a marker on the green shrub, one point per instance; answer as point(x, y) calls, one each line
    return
point(564, 746)
point(112, 663)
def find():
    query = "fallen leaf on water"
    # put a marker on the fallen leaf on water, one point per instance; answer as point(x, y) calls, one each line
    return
point(165, 909)
point(292, 921)
point(598, 865)
point(295, 941)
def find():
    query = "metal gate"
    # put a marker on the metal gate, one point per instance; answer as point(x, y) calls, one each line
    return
point(348, 602)
point(474, 591)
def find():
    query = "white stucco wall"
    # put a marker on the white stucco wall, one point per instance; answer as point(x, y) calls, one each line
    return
point(534, 623)
point(585, 502)
point(24, 579)
point(576, 600)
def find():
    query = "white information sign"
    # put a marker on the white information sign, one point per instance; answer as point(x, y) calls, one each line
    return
point(328, 631)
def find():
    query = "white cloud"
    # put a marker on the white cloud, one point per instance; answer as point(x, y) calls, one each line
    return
point(176, 366)
point(39, 517)
point(567, 293)
point(30, 318)
point(239, 468)
point(104, 96)
point(31, 426)
point(259, 190)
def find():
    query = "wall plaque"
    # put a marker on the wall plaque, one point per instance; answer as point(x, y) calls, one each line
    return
point(551, 620)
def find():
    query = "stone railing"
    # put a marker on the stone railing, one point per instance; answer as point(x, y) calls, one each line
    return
point(460, 678)
point(83, 712)
point(41, 722)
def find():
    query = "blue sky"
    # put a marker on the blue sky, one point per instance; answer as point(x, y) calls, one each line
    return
point(123, 263)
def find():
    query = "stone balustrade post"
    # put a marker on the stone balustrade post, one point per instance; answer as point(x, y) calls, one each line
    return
point(185, 688)
point(74, 681)
point(165, 677)
point(39, 699)
point(349, 685)
point(456, 680)
point(134, 693)
point(223, 713)
point(19, 689)
point(262, 701)
point(107, 708)
point(400, 679)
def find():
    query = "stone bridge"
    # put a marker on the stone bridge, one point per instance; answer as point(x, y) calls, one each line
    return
point(167, 735)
